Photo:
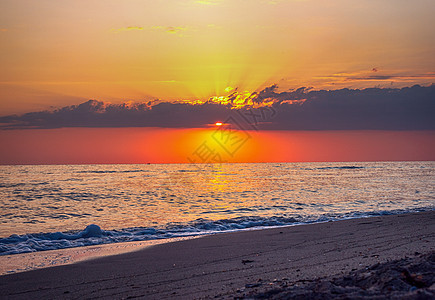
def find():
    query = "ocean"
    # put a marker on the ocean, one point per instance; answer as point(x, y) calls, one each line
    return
point(47, 207)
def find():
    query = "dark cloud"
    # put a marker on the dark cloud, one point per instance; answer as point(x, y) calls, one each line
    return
point(369, 76)
point(95, 113)
point(410, 108)
point(371, 109)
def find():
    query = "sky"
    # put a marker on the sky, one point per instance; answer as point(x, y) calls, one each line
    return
point(72, 70)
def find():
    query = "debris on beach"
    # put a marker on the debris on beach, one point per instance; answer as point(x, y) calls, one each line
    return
point(408, 278)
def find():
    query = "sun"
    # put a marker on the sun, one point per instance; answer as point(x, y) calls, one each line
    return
point(218, 124)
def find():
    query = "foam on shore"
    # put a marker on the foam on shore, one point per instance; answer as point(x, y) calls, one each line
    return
point(224, 265)
point(94, 235)
point(23, 262)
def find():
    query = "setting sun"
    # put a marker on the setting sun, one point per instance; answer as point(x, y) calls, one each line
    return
point(218, 124)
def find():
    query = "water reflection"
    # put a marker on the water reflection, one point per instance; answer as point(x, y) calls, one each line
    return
point(61, 198)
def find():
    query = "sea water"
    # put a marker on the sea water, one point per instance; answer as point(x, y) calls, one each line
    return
point(60, 206)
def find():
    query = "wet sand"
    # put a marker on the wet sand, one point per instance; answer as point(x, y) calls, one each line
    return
point(233, 264)
point(23, 262)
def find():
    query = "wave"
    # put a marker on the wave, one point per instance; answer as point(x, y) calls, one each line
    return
point(11, 185)
point(341, 168)
point(111, 171)
point(97, 172)
point(94, 235)
point(337, 168)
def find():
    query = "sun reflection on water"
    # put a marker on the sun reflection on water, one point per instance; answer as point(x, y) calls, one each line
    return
point(62, 198)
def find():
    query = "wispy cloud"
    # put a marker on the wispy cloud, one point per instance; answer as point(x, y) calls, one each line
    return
point(175, 30)
point(129, 28)
point(208, 2)
point(376, 74)
point(214, 26)
point(410, 108)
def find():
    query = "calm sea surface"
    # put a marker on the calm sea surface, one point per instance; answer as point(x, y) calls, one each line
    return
point(50, 207)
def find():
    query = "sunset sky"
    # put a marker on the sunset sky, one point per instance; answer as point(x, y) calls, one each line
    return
point(163, 71)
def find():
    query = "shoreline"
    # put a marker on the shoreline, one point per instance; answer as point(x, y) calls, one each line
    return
point(29, 261)
point(225, 264)
point(232, 226)
point(25, 262)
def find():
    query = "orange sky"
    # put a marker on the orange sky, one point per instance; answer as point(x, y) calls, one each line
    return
point(57, 53)
point(158, 145)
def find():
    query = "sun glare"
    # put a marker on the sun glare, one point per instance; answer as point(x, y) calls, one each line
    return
point(218, 123)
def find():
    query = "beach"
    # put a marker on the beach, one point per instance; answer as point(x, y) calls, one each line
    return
point(237, 264)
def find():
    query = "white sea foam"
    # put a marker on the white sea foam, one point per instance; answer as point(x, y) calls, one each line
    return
point(145, 202)
point(94, 235)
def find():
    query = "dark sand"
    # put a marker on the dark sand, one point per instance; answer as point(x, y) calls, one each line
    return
point(407, 278)
point(236, 264)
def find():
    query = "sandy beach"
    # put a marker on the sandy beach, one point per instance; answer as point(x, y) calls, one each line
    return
point(233, 264)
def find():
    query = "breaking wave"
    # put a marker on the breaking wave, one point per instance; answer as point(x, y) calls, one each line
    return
point(94, 235)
